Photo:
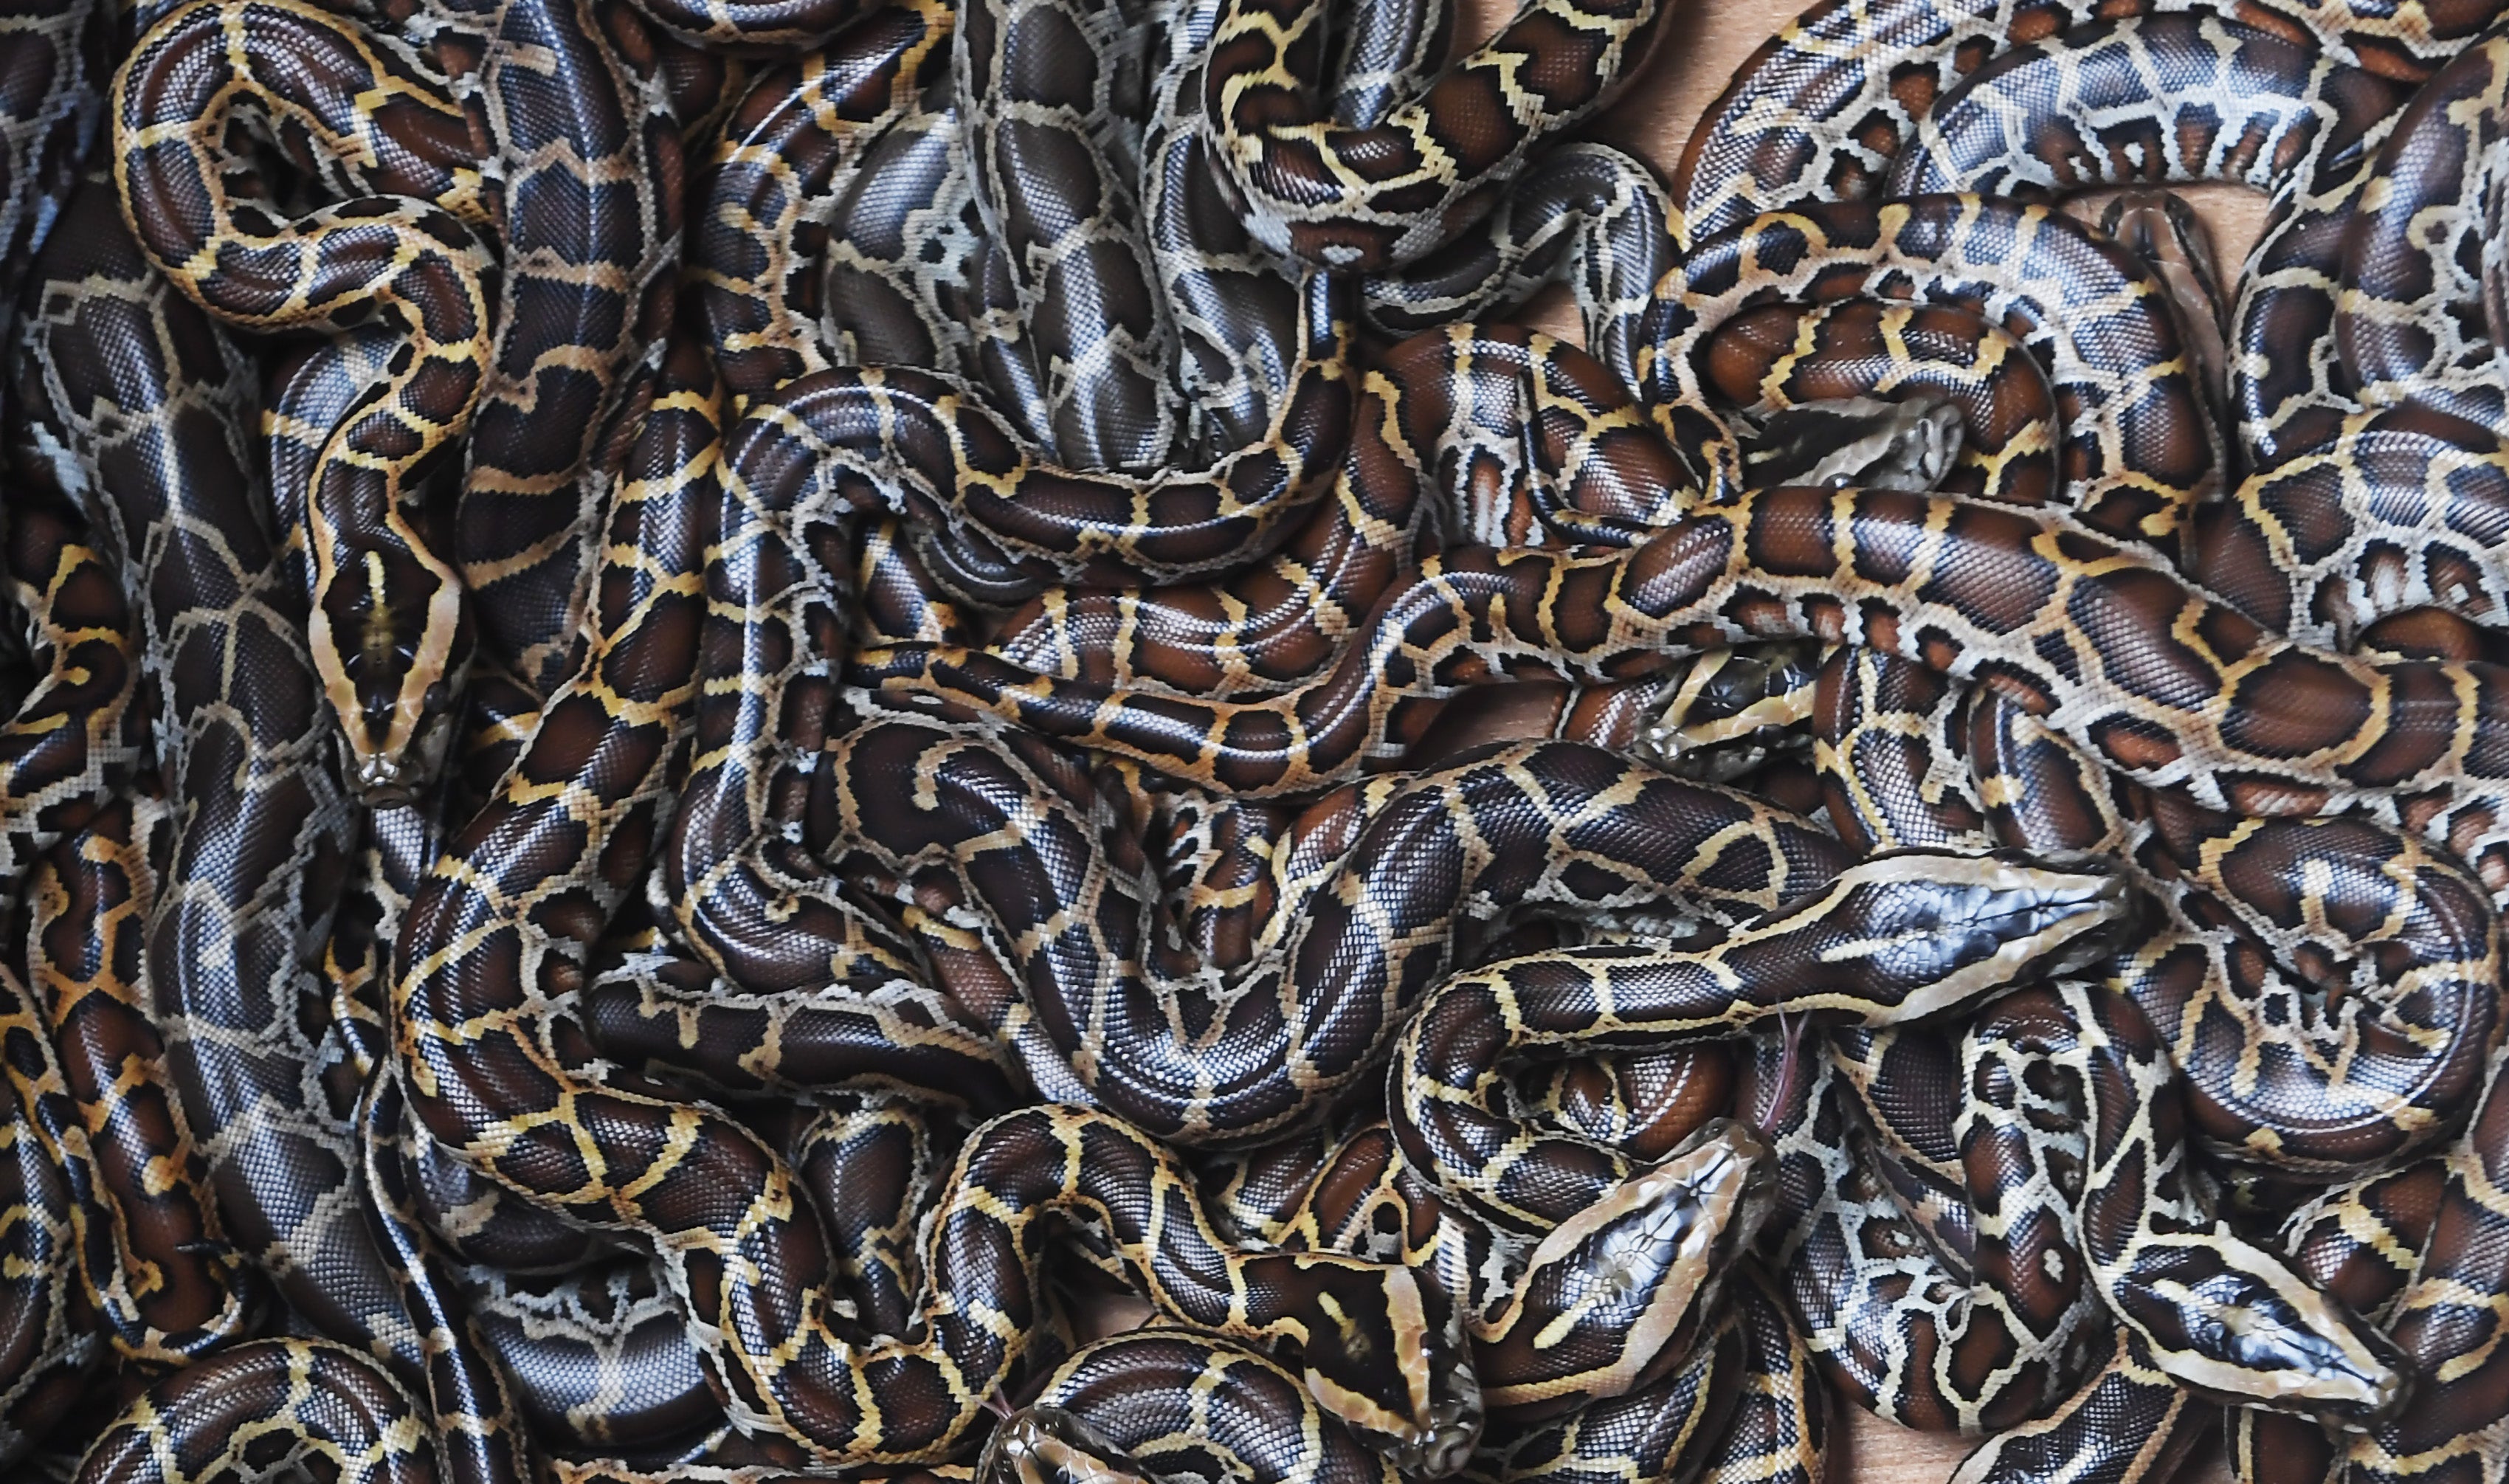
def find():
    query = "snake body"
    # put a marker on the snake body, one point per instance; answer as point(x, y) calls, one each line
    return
point(153, 1251)
point(2187, 99)
point(156, 420)
point(587, 177)
point(389, 628)
point(731, 837)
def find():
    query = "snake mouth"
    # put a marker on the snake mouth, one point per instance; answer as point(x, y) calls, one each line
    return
point(384, 777)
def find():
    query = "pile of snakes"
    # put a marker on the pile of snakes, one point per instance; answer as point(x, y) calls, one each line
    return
point(751, 740)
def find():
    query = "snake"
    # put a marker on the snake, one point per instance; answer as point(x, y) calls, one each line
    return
point(1603, 998)
point(84, 1061)
point(2143, 1245)
point(2392, 514)
point(1965, 1301)
point(335, 1405)
point(2362, 1241)
point(142, 403)
point(2271, 1078)
point(2227, 975)
point(2412, 302)
point(1551, 1420)
point(2130, 1421)
point(2246, 720)
point(1162, 1403)
point(1995, 922)
point(75, 735)
point(1559, 827)
point(1136, 1387)
point(1592, 217)
point(1823, 107)
point(1844, 505)
point(1042, 87)
point(774, 592)
point(2130, 1379)
point(50, 1340)
point(774, 182)
point(2375, 1238)
point(1466, 409)
point(50, 106)
point(1358, 197)
point(629, 704)
point(2147, 476)
point(666, 1026)
point(2184, 98)
point(2450, 1423)
point(637, 725)
point(1782, 364)
point(423, 1090)
point(390, 629)
point(51, 1347)
point(587, 168)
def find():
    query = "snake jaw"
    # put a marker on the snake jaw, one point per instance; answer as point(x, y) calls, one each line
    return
point(1049, 1445)
point(387, 777)
point(1452, 1430)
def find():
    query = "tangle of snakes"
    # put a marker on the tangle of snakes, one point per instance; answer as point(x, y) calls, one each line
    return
point(757, 740)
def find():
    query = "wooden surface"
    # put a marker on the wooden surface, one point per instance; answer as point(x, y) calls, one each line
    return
point(1711, 41)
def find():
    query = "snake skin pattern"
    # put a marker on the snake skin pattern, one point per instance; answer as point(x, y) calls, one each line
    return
point(732, 725)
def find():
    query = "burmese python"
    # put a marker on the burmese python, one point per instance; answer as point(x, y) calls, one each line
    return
point(2181, 98)
point(1354, 197)
point(768, 788)
point(390, 630)
point(49, 108)
point(138, 399)
point(587, 173)
point(85, 1062)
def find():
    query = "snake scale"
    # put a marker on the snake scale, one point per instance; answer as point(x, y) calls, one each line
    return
point(749, 740)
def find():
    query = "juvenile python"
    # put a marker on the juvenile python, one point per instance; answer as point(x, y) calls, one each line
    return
point(143, 399)
point(1358, 198)
point(84, 1061)
point(587, 173)
point(2178, 98)
point(389, 630)
point(769, 790)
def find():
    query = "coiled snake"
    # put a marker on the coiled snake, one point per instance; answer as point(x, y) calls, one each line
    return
point(1001, 632)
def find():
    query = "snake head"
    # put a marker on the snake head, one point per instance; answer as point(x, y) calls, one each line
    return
point(1924, 930)
point(1048, 1445)
point(391, 636)
point(1867, 442)
point(1610, 1299)
point(1386, 1353)
point(1730, 708)
point(2229, 1321)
